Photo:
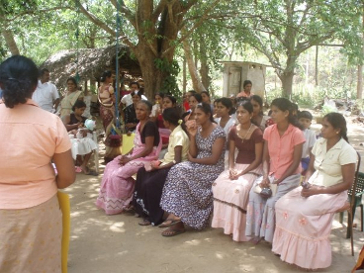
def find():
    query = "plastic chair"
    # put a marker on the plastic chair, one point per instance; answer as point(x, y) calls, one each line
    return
point(357, 190)
point(64, 204)
point(96, 152)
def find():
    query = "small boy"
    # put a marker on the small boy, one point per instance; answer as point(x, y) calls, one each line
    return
point(305, 119)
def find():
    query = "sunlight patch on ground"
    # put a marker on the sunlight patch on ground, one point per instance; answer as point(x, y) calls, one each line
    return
point(193, 242)
point(118, 227)
point(220, 255)
point(122, 253)
point(247, 268)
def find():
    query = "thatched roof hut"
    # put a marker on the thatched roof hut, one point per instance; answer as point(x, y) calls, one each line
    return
point(91, 64)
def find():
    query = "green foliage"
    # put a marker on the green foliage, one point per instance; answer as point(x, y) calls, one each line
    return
point(169, 85)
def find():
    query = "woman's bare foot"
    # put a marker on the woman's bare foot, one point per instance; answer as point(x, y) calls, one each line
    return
point(174, 230)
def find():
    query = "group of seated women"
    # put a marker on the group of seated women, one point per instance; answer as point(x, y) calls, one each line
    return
point(257, 196)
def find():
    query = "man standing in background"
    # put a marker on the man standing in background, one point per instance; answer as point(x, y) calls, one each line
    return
point(46, 94)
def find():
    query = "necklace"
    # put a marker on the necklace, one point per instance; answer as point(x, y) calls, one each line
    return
point(247, 132)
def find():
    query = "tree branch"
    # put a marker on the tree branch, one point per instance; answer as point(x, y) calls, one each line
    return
point(31, 12)
point(199, 22)
point(160, 7)
point(95, 20)
point(124, 9)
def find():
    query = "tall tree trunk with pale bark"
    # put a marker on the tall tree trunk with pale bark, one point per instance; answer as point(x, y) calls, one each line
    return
point(195, 77)
point(10, 41)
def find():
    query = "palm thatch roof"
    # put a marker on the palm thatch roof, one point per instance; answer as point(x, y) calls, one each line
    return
point(90, 65)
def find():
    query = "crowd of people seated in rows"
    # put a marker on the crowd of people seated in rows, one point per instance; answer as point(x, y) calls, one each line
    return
point(244, 169)
point(256, 195)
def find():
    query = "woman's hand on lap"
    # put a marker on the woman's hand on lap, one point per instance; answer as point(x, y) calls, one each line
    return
point(311, 190)
point(265, 183)
point(124, 159)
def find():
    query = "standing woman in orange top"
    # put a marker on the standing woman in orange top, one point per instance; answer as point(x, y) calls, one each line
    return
point(30, 216)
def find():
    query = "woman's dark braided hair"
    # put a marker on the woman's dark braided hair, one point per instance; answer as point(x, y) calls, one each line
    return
point(338, 122)
point(18, 80)
point(284, 104)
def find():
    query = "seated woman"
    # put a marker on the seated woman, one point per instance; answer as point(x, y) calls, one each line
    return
point(281, 167)
point(225, 121)
point(151, 179)
point(187, 194)
point(117, 186)
point(304, 215)
point(130, 117)
point(231, 188)
point(81, 138)
point(259, 118)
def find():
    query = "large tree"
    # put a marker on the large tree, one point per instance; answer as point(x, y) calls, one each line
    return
point(152, 31)
point(283, 29)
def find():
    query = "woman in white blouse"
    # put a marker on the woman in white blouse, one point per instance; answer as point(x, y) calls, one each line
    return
point(304, 215)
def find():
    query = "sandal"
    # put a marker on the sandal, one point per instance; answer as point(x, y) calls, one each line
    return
point(145, 222)
point(169, 223)
point(78, 169)
point(172, 231)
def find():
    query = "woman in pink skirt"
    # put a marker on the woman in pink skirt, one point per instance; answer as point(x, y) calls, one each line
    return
point(231, 188)
point(304, 215)
point(117, 186)
point(282, 154)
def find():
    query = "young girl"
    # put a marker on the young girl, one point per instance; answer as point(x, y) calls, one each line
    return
point(231, 188)
point(150, 181)
point(281, 167)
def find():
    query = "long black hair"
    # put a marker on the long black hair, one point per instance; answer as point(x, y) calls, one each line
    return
point(284, 104)
point(338, 122)
point(18, 79)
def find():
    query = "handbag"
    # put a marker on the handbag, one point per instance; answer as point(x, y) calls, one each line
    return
point(266, 193)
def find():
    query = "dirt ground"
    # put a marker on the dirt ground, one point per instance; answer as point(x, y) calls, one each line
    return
point(101, 243)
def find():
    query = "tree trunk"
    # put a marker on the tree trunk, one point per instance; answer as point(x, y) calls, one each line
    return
point(316, 66)
point(204, 70)
point(359, 88)
point(184, 80)
point(195, 77)
point(10, 41)
point(287, 83)
point(153, 77)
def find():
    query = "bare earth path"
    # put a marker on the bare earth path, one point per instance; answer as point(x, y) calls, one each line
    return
point(101, 243)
